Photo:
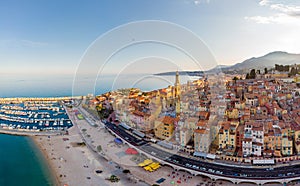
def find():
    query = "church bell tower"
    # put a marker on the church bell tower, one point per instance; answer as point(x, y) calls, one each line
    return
point(177, 93)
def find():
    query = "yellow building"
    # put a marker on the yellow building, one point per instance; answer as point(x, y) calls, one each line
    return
point(164, 127)
point(277, 142)
point(297, 141)
point(286, 143)
point(239, 105)
point(280, 75)
point(166, 92)
point(269, 137)
point(286, 146)
point(227, 136)
point(232, 114)
point(297, 79)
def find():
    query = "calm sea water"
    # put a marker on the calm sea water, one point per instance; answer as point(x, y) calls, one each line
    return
point(49, 86)
point(21, 163)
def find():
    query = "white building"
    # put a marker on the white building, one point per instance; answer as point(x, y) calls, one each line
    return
point(185, 136)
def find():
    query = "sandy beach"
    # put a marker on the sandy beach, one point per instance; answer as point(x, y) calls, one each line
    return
point(74, 164)
point(71, 164)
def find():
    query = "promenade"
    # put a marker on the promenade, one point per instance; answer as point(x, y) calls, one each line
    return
point(116, 153)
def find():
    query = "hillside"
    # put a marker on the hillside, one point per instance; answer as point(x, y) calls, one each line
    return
point(268, 60)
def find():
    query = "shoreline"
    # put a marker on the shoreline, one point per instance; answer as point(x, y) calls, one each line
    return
point(29, 133)
point(50, 98)
point(53, 173)
point(70, 163)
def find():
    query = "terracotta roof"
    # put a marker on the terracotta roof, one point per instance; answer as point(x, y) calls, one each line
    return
point(169, 120)
point(202, 123)
point(257, 129)
point(247, 139)
point(140, 114)
point(200, 131)
point(269, 151)
point(192, 119)
point(257, 143)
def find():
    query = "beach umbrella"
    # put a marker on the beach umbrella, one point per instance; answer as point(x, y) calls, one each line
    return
point(118, 141)
point(131, 151)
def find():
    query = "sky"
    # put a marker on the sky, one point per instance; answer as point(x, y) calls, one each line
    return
point(39, 37)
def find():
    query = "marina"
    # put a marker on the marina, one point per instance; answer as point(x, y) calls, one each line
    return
point(34, 115)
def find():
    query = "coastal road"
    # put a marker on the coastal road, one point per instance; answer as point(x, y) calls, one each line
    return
point(207, 167)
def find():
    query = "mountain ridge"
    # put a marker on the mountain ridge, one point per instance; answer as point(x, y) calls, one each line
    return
point(266, 61)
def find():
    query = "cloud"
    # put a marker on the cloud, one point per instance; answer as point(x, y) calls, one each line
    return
point(261, 19)
point(264, 2)
point(285, 13)
point(22, 43)
point(198, 2)
point(275, 19)
point(291, 10)
point(29, 43)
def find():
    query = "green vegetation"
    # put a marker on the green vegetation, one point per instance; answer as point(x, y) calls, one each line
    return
point(99, 148)
point(287, 68)
point(266, 70)
point(80, 117)
point(282, 68)
point(103, 112)
point(235, 78)
point(252, 74)
point(113, 178)
point(83, 130)
point(293, 72)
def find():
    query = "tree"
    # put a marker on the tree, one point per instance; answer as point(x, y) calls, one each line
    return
point(287, 68)
point(114, 178)
point(247, 76)
point(99, 148)
point(252, 74)
point(293, 71)
point(235, 78)
point(266, 70)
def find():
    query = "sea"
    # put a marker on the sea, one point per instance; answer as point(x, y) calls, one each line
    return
point(68, 85)
point(21, 162)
